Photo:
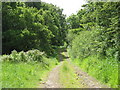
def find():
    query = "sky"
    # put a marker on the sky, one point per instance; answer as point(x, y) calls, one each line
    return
point(68, 6)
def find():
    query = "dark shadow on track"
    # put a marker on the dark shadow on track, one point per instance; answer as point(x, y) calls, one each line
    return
point(61, 56)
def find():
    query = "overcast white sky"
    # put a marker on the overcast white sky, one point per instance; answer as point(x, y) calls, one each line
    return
point(69, 6)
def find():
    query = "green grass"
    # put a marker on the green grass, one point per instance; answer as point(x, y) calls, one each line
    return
point(25, 75)
point(0, 74)
point(25, 69)
point(68, 76)
point(105, 70)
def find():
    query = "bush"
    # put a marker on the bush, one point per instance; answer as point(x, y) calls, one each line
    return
point(25, 69)
point(95, 55)
point(31, 55)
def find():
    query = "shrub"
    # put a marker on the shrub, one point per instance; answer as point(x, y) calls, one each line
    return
point(31, 55)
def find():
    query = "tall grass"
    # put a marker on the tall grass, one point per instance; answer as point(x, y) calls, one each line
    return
point(105, 70)
point(21, 75)
point(0, 73)
point(25, 69)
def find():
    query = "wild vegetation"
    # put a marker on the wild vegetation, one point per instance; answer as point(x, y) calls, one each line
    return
point(94, 43)
point(34, 32)
point(25, 69)
point(32, 25)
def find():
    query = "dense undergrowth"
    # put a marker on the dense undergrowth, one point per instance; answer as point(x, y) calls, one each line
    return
point(25, 69)
point(94, 56)
point(94, 40)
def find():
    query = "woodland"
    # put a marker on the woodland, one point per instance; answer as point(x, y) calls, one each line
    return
point(33, 34)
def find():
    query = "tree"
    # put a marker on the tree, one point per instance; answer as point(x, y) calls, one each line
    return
point(32, 25)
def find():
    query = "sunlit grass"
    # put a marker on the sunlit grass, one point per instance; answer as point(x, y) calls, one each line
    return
point(105, 70)
point(68, 76)
point(24, 75)
point(0, 74)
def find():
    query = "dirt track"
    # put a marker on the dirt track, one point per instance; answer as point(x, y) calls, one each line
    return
point(53, 78)
point(85, 80)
